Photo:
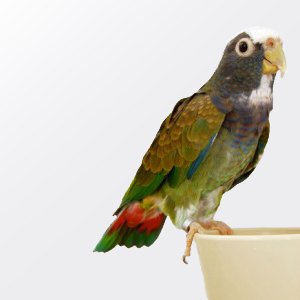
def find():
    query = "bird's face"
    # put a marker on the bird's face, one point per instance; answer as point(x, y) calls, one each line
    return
point(249, 56)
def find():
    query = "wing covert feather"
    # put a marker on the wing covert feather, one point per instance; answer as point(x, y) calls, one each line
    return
point(184, 134)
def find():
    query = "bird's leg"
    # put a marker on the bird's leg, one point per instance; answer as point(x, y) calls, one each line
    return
point(201, 227)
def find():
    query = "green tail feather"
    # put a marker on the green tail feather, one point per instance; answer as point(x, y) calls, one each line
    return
point(128, 237)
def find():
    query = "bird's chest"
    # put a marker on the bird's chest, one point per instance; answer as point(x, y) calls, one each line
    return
point(249, 114)
point(236, 142)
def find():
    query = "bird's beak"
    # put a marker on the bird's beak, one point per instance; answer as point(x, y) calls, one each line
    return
point(274, 58)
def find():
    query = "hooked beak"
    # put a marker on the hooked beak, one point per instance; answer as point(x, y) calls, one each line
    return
point(274, 58)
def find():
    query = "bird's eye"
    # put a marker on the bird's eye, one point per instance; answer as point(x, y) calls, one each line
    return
point(244, 47)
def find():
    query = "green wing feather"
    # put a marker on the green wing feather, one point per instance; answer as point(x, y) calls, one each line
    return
point(257, 156)
point(183, 136)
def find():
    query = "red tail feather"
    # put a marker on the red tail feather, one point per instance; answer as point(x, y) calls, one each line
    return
point(134, 226)
point(134, 216)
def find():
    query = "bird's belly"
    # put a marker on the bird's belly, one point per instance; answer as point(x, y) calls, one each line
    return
point(200, 197)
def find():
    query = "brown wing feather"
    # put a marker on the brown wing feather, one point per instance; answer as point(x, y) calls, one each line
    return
point(184, 133)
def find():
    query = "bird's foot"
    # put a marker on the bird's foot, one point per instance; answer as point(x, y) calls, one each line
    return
point(219, 226)
point(201, 227)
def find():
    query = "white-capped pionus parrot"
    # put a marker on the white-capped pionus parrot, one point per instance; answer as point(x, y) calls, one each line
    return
point(209, 143)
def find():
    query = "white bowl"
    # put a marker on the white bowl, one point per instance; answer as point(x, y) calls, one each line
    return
point(252, 264)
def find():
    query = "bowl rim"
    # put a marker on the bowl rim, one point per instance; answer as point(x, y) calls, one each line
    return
point(292, 233)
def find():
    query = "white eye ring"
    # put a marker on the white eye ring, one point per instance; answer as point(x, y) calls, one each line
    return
point(244, 47)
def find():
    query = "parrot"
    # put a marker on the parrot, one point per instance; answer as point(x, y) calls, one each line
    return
point(209, 143)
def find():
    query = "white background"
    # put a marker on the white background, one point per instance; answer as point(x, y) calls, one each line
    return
point(84, 86)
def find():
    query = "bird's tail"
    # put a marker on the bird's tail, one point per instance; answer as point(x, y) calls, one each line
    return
point(134, 226)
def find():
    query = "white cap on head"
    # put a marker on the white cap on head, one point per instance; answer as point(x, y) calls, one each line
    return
point(261, 34)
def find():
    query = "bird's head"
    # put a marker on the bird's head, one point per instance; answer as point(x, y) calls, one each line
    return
point(249, 56)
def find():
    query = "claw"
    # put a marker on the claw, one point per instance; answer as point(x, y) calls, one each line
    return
point(184, 259)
